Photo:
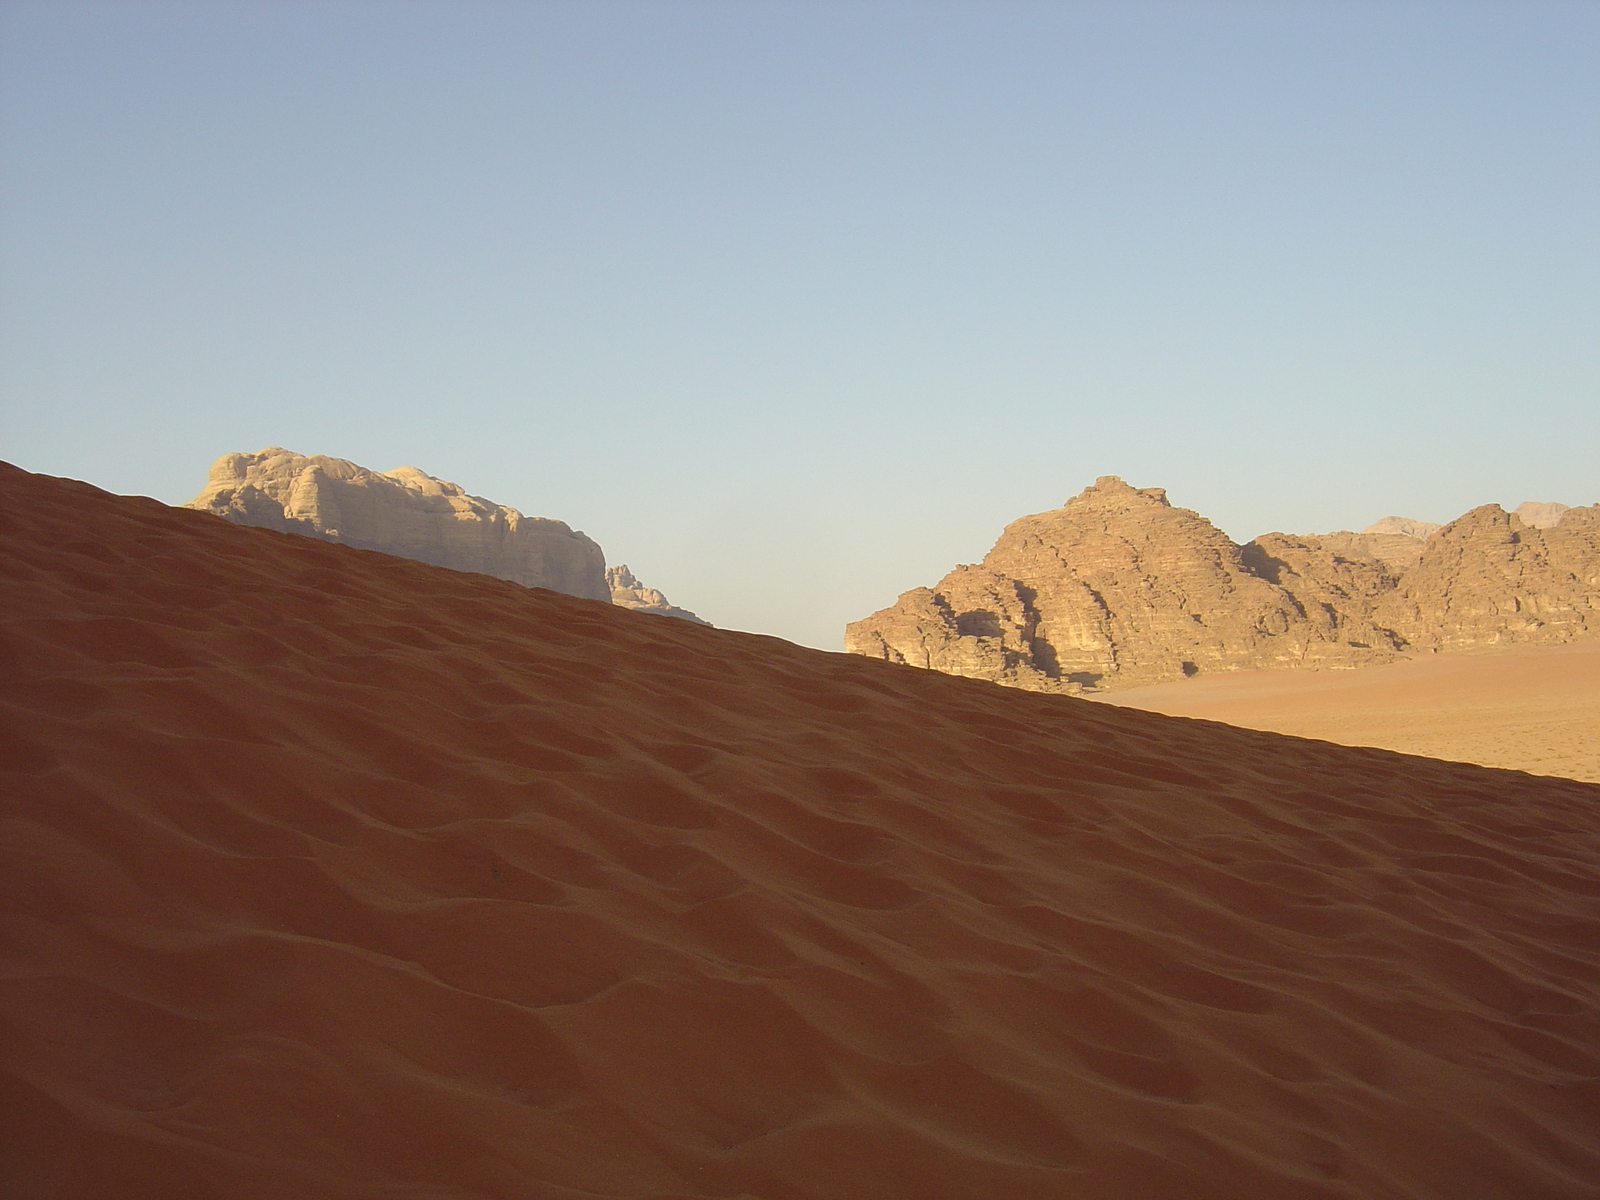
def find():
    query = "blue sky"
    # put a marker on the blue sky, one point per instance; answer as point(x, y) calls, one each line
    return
point(792, 306)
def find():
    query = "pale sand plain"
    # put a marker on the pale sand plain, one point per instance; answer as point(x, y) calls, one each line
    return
point(328, 875)
point(1528, 708)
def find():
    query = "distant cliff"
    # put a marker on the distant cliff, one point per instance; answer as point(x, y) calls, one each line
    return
point(1118, 589)
point(628, 592)
point(404, 512)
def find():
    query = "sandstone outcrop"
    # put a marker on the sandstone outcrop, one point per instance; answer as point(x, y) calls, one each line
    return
point(1341, 573)
point(1118, 589)
point(1489, 579)
point(404, 512)
point(628, 592)
point(1395, 541)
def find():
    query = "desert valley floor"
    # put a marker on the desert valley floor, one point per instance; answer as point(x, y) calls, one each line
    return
point(1530, 708)
point(335, 875)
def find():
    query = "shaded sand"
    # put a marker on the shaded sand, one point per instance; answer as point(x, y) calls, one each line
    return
point(331, 874)
point(1532, 708)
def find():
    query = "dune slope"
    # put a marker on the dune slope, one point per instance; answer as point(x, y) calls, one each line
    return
point(331, 874)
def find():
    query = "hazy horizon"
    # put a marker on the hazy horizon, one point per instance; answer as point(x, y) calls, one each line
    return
point(792, 306)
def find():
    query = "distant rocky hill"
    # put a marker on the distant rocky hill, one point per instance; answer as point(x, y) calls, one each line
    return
point(1488, 579)
point(1118, 589)
point(628, 592)
point(1540, 514)
point(408, 513)
point(1404, 527)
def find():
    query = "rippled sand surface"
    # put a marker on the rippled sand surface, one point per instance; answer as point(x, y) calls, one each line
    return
point(1530, 708)
point(330, 874)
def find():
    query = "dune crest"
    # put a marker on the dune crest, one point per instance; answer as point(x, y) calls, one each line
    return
point(338, 875)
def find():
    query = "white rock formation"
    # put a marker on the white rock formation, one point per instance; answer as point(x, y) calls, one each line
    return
point(405, 512)
point(1541, 514)
point(628, 592)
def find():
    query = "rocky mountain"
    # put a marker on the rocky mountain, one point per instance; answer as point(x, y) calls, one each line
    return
point(404, 512)
point(628, 592)
point(1404, 527)
point(1118, 588)
point(1489, 579)
point(1540, 514)
point(1395, 541)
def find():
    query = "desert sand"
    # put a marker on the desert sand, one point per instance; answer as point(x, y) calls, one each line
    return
point(334, 874)
point(1529, 708)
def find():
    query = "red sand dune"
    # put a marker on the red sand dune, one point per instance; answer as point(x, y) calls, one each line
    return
point(331, 874)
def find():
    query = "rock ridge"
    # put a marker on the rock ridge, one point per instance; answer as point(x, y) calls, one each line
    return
point(1119, 588)
point(405, 512)
point(628, 592)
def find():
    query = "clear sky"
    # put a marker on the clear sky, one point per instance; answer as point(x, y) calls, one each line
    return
point(793, 305)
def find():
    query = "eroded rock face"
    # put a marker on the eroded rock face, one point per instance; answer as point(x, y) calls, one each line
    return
point(628, 592)
point(1340, 574)
point(1119, 589)
point(1489, 579)
point(1116, 588)
point(404, 512)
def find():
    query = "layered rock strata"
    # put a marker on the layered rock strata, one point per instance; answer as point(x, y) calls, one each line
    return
point(628, 592)
point(1118, 588)
point(404, 512)
point(1489, 579)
